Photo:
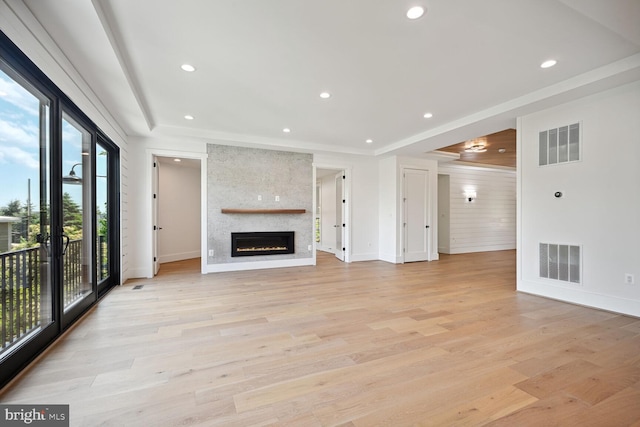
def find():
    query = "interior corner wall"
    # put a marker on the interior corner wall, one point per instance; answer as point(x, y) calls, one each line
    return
point(599, 210)
point(178, 212)
point(249, 178)
point(488, 223)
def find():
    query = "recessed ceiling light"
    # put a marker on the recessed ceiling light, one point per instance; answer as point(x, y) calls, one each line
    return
point(189, 117)
point(549, 63)
point(369, 141)
point(177, 160)
point(427, 115)
point(286, 130)
point(415, 12)
point(325, 95)
point(188, 67)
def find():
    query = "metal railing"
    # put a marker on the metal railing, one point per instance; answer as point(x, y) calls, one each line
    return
point(25, 290)
point(21, 294)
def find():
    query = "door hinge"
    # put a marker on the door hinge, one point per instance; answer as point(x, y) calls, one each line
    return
point(154, 164)
point(154, 259)
point(344, 249)
point(155, 228)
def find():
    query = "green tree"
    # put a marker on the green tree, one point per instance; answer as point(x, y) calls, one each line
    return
point(71, 213)
point(13, 208)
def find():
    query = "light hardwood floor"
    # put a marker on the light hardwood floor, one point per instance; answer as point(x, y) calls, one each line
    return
point(446, 343)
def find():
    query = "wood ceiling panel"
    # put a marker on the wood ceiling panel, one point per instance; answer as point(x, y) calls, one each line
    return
point(505, 139)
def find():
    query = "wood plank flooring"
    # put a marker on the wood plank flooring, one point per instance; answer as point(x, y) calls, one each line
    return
point(446, 343)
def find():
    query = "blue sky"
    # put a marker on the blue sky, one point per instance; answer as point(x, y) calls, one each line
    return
point(19, 147)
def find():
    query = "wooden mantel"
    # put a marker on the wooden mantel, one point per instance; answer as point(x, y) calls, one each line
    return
point(262, 211)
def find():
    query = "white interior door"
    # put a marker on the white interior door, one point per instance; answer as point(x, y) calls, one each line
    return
point(155, 178)
point(416, 215)
point(340, 201)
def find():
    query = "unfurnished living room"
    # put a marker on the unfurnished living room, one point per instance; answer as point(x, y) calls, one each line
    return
point(297, 213)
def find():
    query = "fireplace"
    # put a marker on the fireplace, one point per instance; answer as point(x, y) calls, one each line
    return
point(262, 243)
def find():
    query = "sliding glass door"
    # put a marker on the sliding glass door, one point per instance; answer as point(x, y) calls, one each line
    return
point(26, 253)
point(59, 241)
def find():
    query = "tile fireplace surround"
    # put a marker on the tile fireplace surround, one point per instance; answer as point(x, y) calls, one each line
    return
point(254, 190)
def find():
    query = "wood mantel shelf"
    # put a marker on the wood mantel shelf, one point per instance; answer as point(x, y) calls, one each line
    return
point(262, 211)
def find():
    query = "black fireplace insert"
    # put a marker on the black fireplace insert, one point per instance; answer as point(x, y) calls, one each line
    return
point(262, 243)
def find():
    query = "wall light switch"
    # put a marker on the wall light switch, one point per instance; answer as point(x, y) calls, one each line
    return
point(210, 252)
point(259, 197)
point(277, 198)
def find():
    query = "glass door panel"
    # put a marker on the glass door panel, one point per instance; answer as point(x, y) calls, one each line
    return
point(77, 214)
point(25, 251)
point(102, 213)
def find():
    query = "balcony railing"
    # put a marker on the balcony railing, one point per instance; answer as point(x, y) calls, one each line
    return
point(25, 291)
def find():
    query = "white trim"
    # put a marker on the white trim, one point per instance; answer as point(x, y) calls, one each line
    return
point(259, 265)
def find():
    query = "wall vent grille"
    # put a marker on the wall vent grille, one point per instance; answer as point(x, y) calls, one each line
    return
point(560, 145)
point(560, 262)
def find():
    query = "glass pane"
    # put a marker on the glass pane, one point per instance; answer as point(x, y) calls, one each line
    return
point(76, 212)
point(102, 212)
point(25, 291)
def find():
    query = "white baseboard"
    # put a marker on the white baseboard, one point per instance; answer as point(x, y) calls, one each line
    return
point(576, 295)
point(178, 256)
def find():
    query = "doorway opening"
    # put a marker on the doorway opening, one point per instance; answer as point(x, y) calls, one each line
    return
point(177, 189)
point(331, 220)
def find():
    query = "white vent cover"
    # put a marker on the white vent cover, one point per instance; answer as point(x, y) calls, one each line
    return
point(560, 145)
point(560, 262)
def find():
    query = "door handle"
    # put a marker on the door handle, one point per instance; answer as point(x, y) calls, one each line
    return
point(426, 226)
point(66, 244)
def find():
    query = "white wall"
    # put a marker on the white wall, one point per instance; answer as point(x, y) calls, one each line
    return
point(489, 222)
point(600, 209)
point(178, 212)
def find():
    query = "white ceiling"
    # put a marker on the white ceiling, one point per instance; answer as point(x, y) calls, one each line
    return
point(261, 66)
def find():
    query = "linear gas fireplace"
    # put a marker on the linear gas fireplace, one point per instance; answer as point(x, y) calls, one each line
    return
point(262, 243)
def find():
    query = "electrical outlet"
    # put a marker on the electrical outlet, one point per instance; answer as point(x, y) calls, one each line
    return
point(629, 279)
point(309, 247)
point(210, 252)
